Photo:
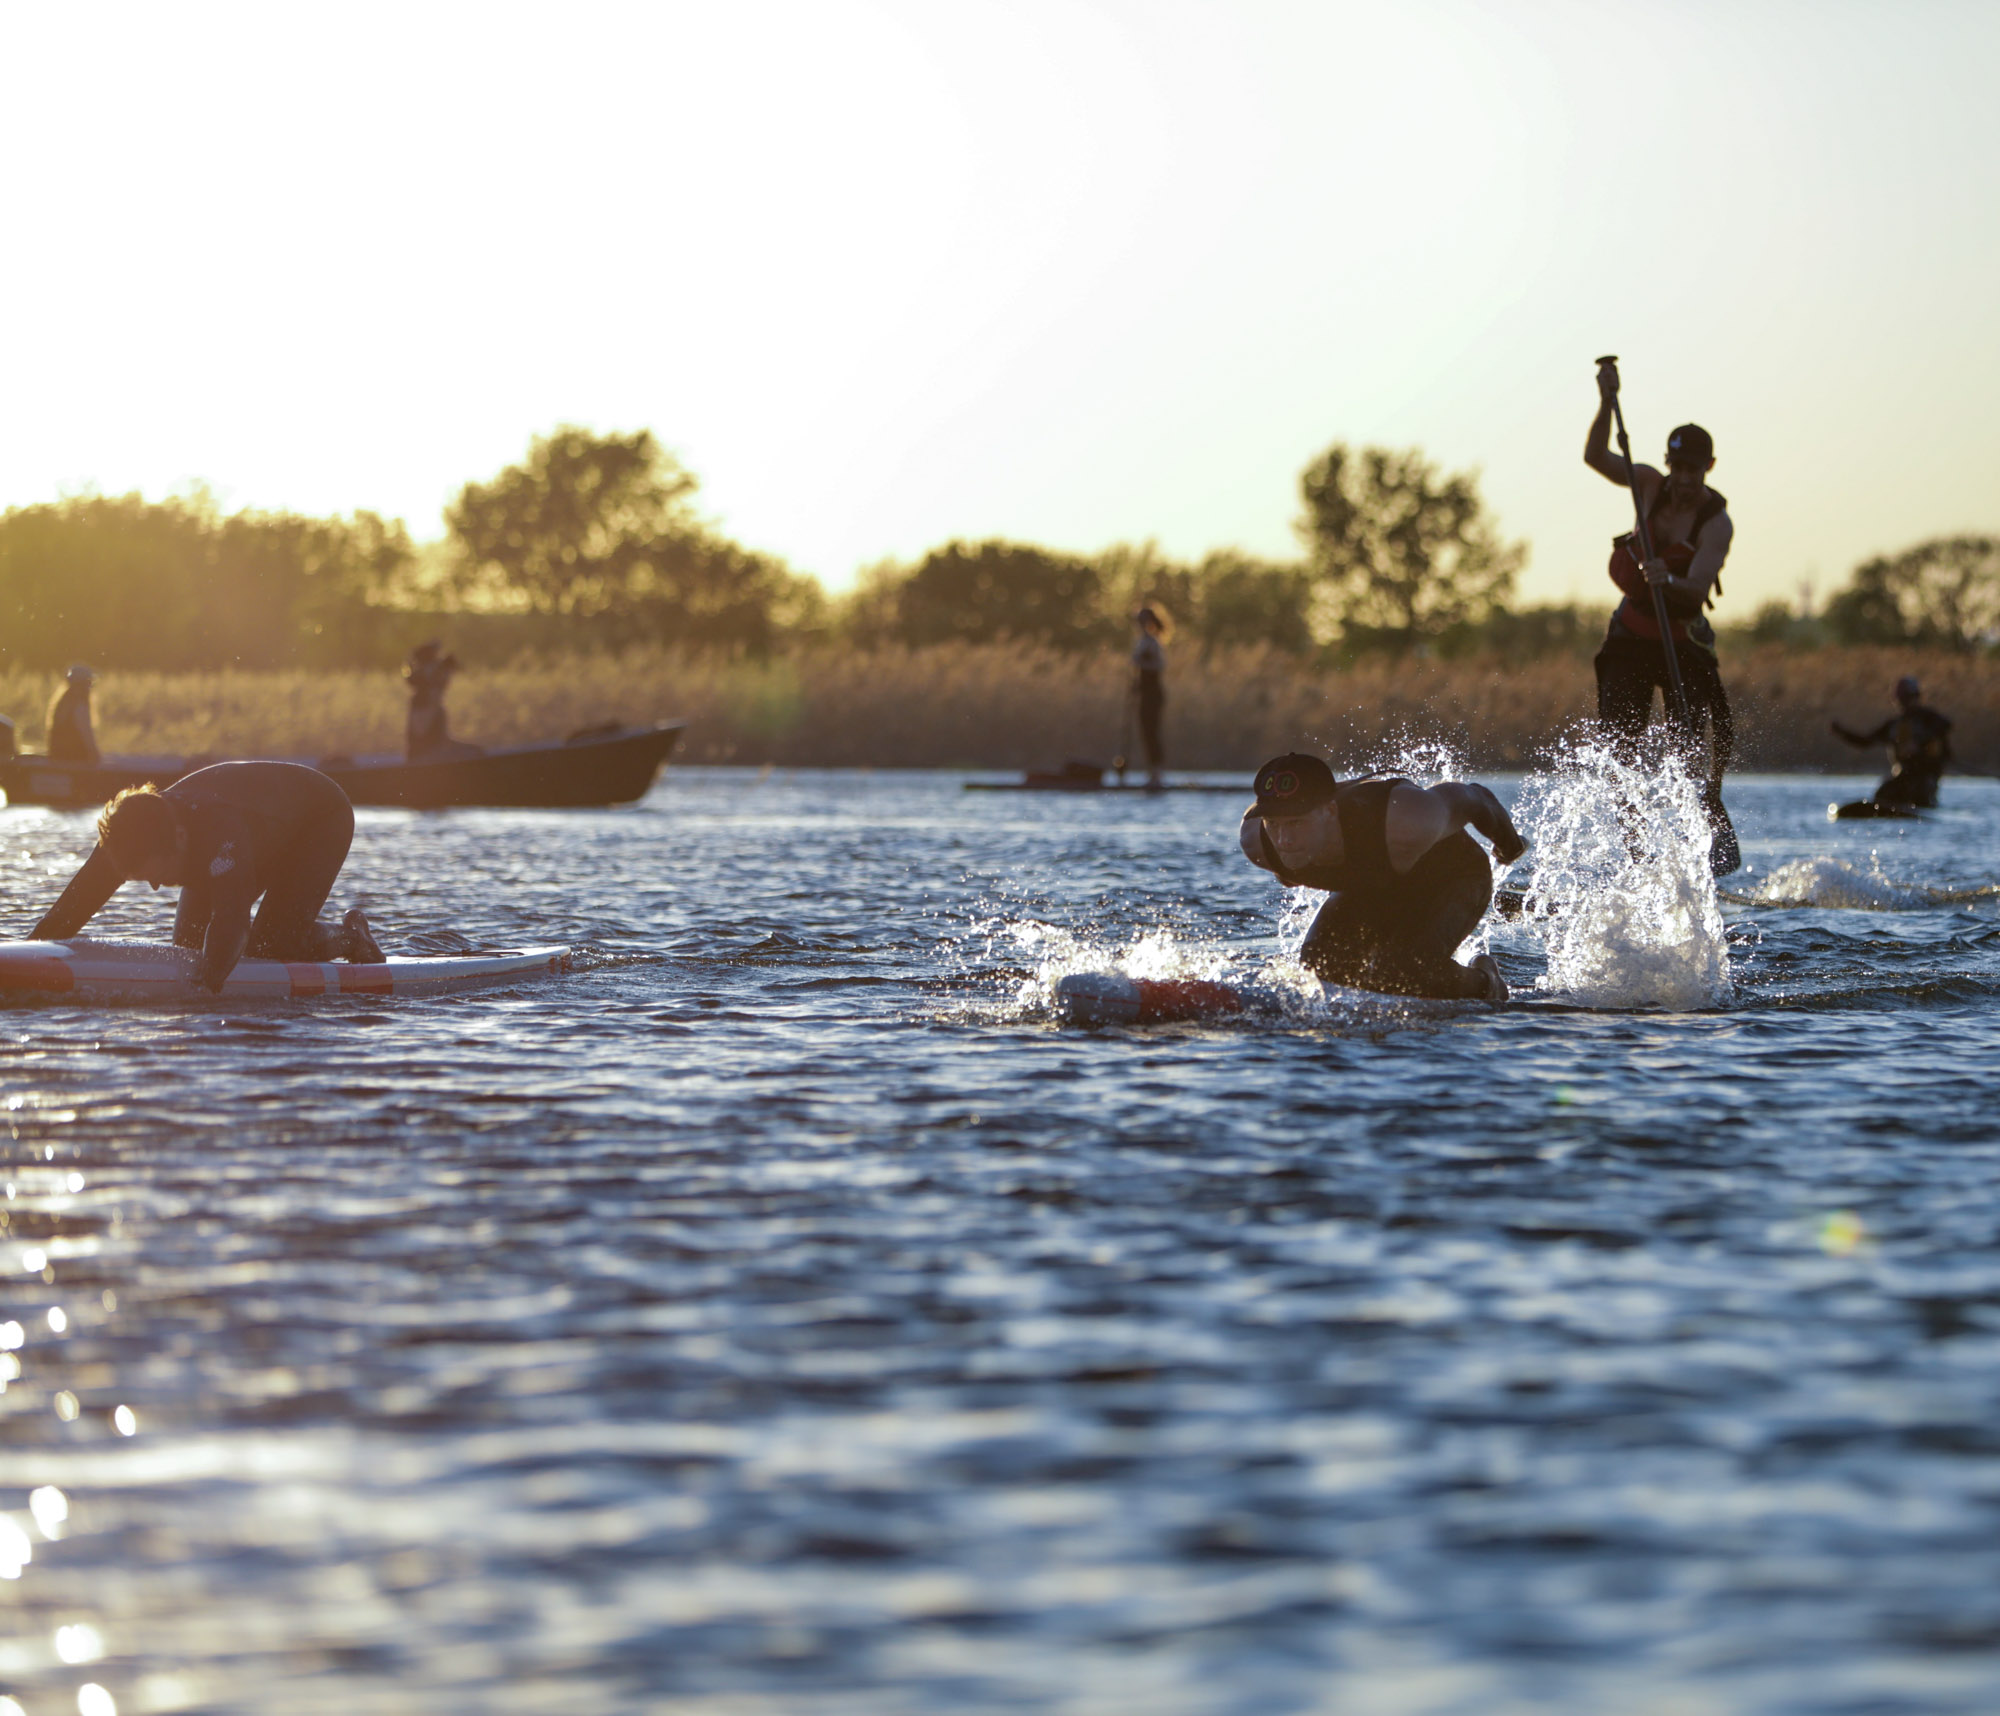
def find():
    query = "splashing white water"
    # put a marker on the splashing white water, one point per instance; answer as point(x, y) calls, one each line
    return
point(1622, 895)
point(1834, 882)
point(1277, 987)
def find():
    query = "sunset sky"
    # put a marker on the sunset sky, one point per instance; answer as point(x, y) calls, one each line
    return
point(887, 273)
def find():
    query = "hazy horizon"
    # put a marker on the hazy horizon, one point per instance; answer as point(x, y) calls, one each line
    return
point(882, 275)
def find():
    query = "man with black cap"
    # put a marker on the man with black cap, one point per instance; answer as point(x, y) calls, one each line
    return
point(1919, 744)
point(1408, 883)
point(1690, 529)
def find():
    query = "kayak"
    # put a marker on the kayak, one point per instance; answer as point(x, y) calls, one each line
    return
point(148, 971)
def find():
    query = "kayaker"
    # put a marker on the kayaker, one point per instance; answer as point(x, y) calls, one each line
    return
point(1408, 883)
point(1149, 685)
point(1691, 531)
point(1919, 741)
point(426, 732)
point(224, 836)
point(70, 739)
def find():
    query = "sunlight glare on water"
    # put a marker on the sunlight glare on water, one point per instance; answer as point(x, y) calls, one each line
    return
point(784, 1315)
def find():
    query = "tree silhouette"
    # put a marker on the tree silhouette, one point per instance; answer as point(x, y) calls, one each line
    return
point(1400, 553)
point(993, 590)
point(1944, 592)
point(604, 526)
point(569, 529)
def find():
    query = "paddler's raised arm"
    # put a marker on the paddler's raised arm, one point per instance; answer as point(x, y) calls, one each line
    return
point(82, 900)
point(1597, 453)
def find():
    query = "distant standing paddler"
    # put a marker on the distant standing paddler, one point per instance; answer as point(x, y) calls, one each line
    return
point(1408, 883)
point(1919, 741)
point(1688, 527)
point(426, 733)
point(1152, 628)
point(71, 739)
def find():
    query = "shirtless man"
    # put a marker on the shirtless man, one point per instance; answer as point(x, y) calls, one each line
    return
point(1690, 527)
point(225, 835)
point(1408, 883)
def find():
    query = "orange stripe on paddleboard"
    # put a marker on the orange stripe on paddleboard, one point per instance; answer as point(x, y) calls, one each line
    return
point(307, 979)
point(49, 976)
point(365, 979)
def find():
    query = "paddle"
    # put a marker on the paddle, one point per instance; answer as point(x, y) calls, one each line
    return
point(1680, 709)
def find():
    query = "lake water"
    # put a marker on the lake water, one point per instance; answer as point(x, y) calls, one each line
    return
point(787, 1316)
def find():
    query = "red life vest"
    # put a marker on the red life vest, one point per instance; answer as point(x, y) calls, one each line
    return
point(1635, 613)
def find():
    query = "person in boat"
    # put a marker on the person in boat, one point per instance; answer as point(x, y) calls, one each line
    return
point(1151, 628)
point(1409, 884)
point(426, 732)
point(1691, 531)
point(225, 836)
point(70, 737)
point(1919, 741)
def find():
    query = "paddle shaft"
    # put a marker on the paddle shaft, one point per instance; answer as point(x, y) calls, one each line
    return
point(1679, 691)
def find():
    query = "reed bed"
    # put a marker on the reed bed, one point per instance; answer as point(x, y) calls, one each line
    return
point(1006, 706)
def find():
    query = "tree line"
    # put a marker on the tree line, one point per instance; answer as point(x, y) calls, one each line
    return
point(595, 540)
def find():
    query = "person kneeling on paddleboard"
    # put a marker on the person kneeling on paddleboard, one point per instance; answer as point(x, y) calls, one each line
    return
point(225, 835)
point(1408, 883)
point(1919, 741)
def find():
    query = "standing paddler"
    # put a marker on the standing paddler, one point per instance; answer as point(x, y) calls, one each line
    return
point(1151, 628)
point(1668, 569)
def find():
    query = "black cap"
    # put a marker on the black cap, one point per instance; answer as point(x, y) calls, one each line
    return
point(1293, 784)
point(1690, 442)
point(1908, 690)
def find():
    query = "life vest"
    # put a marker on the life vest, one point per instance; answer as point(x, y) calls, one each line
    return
point(1635, 613)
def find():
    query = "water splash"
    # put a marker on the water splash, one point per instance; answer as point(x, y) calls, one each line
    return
point(1276, 987)
point(1836, 884)
point(1622, 896)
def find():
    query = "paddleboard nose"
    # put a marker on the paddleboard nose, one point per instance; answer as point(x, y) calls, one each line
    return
point(1110, 998)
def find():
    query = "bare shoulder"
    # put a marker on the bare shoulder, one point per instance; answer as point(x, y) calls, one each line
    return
point(1421, 810)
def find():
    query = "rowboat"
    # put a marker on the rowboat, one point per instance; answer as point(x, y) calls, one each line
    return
point(598, 766)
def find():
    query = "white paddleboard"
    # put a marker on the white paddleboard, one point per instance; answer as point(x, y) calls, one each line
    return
point(98, 970)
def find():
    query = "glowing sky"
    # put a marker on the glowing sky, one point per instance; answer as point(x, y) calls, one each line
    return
point(1070, 272)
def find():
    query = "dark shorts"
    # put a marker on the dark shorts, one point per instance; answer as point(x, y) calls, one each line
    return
point(1399, 939)
point(1630, 670)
